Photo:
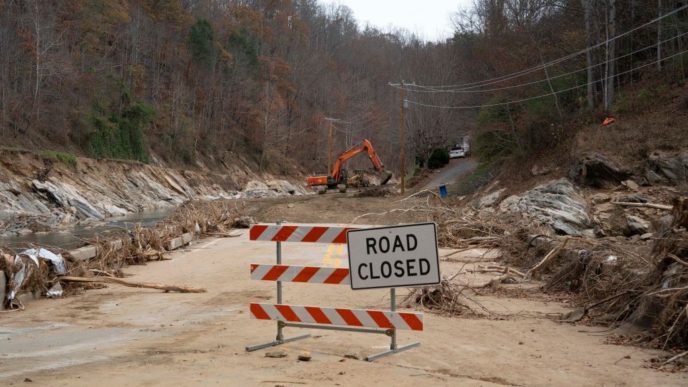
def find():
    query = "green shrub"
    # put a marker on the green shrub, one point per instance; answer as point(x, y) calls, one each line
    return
point(201, 42)
point(438, 158)
point(477, 179)
point(66, 158)
point(494, 144)
point(120, 136)
point(244, 47)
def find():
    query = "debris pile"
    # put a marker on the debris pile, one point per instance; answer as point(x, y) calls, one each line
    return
point(42, 272)
point(619, 252)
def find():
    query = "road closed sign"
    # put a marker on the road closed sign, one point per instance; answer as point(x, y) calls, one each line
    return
point(396, 256)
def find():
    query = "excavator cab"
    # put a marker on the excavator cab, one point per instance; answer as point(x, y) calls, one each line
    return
point(339, 176)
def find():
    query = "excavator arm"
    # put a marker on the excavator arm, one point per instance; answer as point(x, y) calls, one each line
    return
point(336, 174)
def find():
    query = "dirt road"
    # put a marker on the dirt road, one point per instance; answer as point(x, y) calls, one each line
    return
point(451, 173)
point(124, 336)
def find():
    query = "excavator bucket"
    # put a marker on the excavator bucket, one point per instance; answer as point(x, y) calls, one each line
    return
point(385, 177)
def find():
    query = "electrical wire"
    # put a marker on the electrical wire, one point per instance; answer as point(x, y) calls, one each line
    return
point(540, 80)
point(542, 95)
point(518, 74)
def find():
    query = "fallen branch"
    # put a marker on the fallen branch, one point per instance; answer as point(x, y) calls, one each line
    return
point(677, 259)
point(674, 358)
point(553, 253)
point(418, 193)
point(648, 205)
point(497, 269)
point(166, 288)
point(224, 234)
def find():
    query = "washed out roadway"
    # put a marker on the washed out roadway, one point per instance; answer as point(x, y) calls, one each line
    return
point(124, 336)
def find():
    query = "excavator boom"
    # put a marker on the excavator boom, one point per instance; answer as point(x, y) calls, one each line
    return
point(336, 176)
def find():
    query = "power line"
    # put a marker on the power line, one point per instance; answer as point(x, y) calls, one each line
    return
point(542, 95)
point(518, 74)
point(430, 90)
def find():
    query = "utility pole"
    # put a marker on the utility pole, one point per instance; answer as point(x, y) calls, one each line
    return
point(330, 139)
point(329, 147)
point(402, 145)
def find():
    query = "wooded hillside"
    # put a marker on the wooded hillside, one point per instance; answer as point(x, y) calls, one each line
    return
point(203, 80)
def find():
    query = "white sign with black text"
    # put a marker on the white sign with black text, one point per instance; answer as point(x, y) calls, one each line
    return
point(395, 256)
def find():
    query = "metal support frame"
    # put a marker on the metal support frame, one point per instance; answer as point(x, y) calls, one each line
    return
point(393, 347)
point(280, 339)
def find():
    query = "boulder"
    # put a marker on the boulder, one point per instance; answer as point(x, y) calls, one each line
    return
point(65, 196)
point(255, 185)
point(595, 170)
point(636, 225)
point(282, 187)
point(537, 170)
point(667, 167)
point(600, 198)
point(491, 199)
point(556, 203)
point(632, 185)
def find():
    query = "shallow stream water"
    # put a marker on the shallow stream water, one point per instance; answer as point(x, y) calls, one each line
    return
point(74, 237)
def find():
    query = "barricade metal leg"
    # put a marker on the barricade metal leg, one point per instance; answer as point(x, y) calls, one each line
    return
point(393, 347)
point(279, 340)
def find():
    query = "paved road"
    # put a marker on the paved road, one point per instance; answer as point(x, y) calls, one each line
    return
point(451, 173)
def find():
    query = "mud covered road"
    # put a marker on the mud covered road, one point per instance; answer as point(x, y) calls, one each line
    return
point(124, 336)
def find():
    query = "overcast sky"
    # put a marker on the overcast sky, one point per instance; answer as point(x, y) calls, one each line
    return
point(429, 19)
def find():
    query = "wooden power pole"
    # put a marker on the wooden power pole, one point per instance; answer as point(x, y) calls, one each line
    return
point(402, 145)
point(329, 148)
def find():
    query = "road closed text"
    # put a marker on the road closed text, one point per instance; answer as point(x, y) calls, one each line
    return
point(393, 256)
point(399, 269)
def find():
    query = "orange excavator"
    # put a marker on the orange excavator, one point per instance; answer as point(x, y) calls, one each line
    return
point(338, 177)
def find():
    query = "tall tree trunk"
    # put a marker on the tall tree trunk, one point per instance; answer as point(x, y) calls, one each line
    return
point(659, 36)
point(611, 54)
point(37, 28)
point(587, 6)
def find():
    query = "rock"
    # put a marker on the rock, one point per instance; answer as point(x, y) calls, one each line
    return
point(65, 195)
point(595, 170)
point(653, 177)
point(646, 236)
point(555, 203)
point(670, 167)
point(283, 187)
point(664, 224)
point(510, 204)
point(605, 207)
point(276, 354)
point(636, 225)
point(255, 185)
point(304, 356)
point(600, 198)
point(491, 199)
point(536, 170)
point(632, 185)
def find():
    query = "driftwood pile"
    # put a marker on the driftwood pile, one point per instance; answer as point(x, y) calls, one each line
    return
point(134, 247)
point(613, 283)
point(649, 292)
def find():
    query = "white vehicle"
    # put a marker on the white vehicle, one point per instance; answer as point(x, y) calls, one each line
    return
point(457, 153)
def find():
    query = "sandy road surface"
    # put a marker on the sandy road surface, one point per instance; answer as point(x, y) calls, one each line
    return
point(450, 173)
point(124, 336)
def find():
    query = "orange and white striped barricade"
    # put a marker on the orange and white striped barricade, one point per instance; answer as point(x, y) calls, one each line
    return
point(315, 317)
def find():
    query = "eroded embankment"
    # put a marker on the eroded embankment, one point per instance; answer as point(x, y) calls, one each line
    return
point(39, 193)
